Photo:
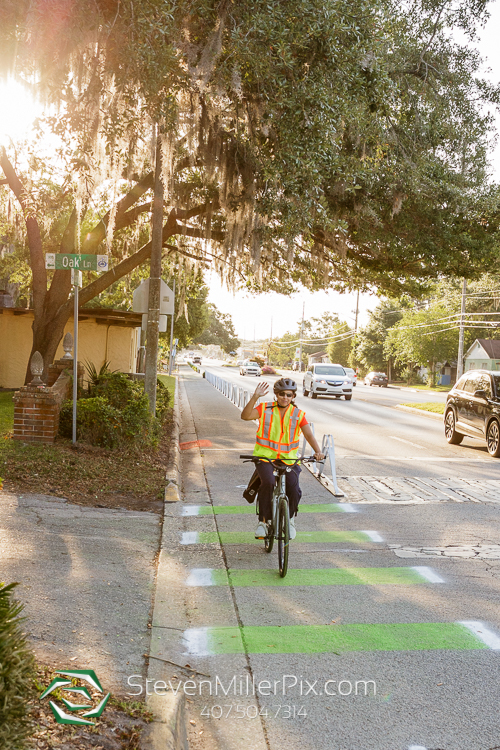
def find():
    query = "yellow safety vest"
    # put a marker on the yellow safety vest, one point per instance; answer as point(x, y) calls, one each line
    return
point(277, 438)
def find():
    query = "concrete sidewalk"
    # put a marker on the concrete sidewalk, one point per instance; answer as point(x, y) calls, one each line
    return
point(86, 579)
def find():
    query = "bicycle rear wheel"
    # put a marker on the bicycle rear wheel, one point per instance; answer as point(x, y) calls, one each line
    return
point(283, 536)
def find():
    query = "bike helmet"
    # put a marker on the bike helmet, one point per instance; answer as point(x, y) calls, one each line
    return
point(285, 384)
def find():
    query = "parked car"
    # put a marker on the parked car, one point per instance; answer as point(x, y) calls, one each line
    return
point(352, 374)
point(473, 409)
point(377, 378)
point(250, 368)
point(298, 366)
point(327, 380)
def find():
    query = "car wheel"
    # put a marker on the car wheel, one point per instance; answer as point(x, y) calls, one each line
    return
point(305, 392)
point(384, 386)
point(452, 436)
point(314, 395)
point(348, 398)
point(493, 439)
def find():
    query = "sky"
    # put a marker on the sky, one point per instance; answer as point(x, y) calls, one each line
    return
point(253, 316)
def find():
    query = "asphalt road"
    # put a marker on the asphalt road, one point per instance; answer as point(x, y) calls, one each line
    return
point(372, 437)
point(361, 646)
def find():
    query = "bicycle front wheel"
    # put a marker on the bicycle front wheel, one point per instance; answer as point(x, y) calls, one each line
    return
point(283, 536)
point(269, 539)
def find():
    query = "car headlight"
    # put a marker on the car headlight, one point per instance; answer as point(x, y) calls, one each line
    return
point(322, 381)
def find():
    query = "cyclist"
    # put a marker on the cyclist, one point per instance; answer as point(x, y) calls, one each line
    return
point(280, 424)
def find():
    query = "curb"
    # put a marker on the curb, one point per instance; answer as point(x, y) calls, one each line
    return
point(171, 494)
point(421, 412)
point(168, 730)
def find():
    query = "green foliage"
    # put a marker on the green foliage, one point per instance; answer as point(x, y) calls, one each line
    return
point(116, 413)
point(219, 331)
point(369, 351)
point(16, 673)
point(340, 344)
point(423, 337)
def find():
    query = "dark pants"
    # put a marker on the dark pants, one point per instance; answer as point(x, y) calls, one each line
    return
point(268, 481)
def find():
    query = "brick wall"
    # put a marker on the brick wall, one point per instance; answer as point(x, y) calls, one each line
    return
point(36, 410)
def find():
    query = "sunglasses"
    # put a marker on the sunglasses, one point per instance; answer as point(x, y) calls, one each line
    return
point(286, 395)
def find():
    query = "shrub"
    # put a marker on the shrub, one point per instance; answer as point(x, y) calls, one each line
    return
point(97, 422)
point(117, 413)
point(16, 673)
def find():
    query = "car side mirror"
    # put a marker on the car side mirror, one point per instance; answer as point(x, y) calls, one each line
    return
point(481, 394)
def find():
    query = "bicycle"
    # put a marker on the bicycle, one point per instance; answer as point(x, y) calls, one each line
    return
point(279, 525)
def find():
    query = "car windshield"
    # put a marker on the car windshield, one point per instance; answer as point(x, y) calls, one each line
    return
point(329, 370)
point(252, 364)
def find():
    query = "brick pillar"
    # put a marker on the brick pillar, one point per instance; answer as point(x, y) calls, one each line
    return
point(57, 367)
point(36, 414)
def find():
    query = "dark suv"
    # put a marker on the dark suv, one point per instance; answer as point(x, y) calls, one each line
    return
point(473, 409)
point(377, 378)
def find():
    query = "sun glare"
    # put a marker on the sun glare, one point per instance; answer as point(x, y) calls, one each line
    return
point(18, 111)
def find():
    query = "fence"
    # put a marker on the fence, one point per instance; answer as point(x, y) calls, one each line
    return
point(239, 397)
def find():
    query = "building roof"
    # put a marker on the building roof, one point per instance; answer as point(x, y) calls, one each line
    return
point(490, 346)
point(104, 315)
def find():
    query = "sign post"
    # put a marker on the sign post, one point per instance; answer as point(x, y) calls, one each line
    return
point(76, 263)
point(76, 280)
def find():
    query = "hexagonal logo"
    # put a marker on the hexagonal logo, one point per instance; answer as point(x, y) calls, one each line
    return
point(81, 707)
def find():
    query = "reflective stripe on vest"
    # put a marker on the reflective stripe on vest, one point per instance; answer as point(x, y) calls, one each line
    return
point(271, 440)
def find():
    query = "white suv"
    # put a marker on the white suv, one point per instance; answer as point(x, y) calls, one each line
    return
point(327, 380)
point(250, 368)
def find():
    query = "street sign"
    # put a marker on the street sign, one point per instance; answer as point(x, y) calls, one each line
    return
point(63, 261)
point(76, 277)
point(140, 298)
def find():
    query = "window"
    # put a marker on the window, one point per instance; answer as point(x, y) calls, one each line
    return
point(460, 384)
point(486, 384)
point(473, 383)
point(329, 370)
point(484, 365)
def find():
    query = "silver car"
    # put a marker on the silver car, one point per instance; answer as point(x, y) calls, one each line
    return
point(250, 368)
point(327, 380)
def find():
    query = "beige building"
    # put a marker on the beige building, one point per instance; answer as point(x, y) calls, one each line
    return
point(103, 336)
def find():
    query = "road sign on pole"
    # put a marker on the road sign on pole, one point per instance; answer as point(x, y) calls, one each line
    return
point(64, 261)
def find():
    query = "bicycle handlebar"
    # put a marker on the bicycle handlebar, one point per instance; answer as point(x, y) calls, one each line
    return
point(272, 460)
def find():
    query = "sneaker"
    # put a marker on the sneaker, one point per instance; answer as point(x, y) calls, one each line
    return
point(293, 530)
point(261, 530)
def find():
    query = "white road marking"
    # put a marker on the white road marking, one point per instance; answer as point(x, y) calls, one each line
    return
point(483, 633)
point(415, 458)
point(373, 535)
point(428, 573)
point(348, 508)
point(190, 510)
point(189, 537)
point(417, 747)
point(200, 577)
point(196, 641)
point(408, 442)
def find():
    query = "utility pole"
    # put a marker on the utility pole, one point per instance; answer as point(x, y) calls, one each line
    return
point(301, 331)
point(356, 318)
point(460, 358)
point(154, 282)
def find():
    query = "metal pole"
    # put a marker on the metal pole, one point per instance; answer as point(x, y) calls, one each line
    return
point(171, 359)
point(75, 357)
point(460, 358)
point(301, 330)
point(154, 283)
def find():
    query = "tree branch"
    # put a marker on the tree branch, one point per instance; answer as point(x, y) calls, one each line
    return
point(37, 259)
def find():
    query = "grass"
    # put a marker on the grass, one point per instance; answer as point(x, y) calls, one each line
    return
point(84, 474)
point(420, 387)
point(6, 411)
point(428, 406)
point(169, 382)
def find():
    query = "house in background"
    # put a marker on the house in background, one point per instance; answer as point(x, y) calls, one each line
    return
point(484, 354)
point(103, 336)
point(312, 359)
